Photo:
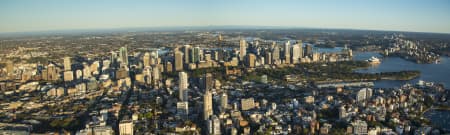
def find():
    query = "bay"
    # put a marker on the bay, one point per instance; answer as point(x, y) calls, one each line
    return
point(438, 73)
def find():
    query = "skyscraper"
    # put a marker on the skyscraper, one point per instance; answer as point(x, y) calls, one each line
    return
point(155, 75)
point(195, 54)
point(147, 75)
point(300, 44)
point(52, 73)
point(113, 59)
point(296, 53)
point(186, 50)
point(123, 55)
point(183, 85)
point(216, 55)
point(309, 51)
point(146, 59)
point(183, 109)
point(251, 60)
point(169, 67)
point(208, 81)
point(224, 101)
point(207, 105)
point(178, 61)
point(242, 49)
point(154, 57)
point(275, 54)
point(268, 57)
point(67, 64)
point(287, 52)
point(315, 57)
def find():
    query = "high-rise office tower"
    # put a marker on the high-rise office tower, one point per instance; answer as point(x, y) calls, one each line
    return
point(275, 54)
point(296, 53)
point(155, 75)
point(147, 75)
point(178, 61)
point(154, 57)
point(224, 101)
point(169, 67)
point(67, 64)
point(186, 50)
point(207, 105)
point(315, 57)
point(195, 54)
point(308, 51)
point(287, 52)
point(268, 57)
point(201, 54)
point(123, 55)
point(113, 60)
point(183, 109)
point(300, 44)
point(242, 49)
point(52, 73)
point(216, 55)
point(146, 59)
point(251, 60)
point(208, 81)
point(183, 86)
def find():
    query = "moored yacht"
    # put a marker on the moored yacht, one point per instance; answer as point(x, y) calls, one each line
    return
point(374, 60)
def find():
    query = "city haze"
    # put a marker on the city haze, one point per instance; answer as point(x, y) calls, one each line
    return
point(400, 15)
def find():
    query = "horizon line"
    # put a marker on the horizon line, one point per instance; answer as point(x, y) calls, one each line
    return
point(181, 28)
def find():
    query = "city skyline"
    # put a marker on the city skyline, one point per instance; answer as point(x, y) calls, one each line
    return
point(401, 15)
point(228, 82)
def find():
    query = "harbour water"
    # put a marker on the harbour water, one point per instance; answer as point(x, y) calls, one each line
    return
point(439, 72)
point(439, 118)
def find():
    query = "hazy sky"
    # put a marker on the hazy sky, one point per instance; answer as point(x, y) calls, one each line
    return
point(403, 15)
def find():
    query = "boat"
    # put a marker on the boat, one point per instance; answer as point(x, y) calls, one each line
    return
point(438, 61)
point(374, 60)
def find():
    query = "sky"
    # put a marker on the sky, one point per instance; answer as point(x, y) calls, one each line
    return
point(397, 15)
